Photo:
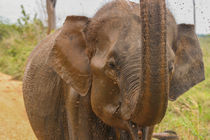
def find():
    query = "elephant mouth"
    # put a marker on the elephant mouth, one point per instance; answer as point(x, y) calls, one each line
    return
point(135, 131)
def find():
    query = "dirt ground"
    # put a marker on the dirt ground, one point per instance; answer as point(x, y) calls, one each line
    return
point(14, 124)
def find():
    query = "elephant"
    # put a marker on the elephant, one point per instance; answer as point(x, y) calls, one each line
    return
point(110, 76)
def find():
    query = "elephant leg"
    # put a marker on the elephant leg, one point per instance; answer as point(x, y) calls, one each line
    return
point(72, 109)
point(78, 115)
point(140, 133)
point(147, 133)
point(117, 131)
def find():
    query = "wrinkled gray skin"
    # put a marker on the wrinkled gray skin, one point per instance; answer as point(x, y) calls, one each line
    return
point(78, 80)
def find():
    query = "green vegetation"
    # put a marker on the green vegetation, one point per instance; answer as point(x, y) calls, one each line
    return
point(17, 41)
point(189, 116)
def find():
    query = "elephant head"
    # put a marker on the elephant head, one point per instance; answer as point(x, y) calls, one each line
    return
point(129, 64)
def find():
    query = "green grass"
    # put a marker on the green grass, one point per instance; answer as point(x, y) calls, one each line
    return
point(189, 116)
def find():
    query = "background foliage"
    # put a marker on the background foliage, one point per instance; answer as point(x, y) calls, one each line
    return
point(189, 116)
point(17, 41)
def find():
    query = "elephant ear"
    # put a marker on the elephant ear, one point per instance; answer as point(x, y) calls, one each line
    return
point(68, 57)
point(189, 67)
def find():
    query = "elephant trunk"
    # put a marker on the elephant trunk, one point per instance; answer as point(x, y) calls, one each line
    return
point(151, 105)
point(147, 104)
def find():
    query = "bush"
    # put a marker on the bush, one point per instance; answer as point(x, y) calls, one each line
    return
point(17, 41)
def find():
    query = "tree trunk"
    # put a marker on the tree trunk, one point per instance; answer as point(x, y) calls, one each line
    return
point(194, 13)
point(51, 15)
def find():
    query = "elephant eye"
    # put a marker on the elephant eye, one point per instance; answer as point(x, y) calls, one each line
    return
point(170, 67)
point(111, 63)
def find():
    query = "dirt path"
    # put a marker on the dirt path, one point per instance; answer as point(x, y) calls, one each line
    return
point(14, 123)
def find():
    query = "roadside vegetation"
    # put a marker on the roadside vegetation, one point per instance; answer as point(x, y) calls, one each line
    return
point(17, 41)
point(189, 116)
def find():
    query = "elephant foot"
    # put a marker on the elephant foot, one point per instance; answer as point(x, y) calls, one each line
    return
point(166, 135)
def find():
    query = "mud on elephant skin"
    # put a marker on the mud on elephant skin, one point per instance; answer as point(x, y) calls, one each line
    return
point(110, 76)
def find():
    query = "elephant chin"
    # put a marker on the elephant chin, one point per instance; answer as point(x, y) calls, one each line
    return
point(136, 132)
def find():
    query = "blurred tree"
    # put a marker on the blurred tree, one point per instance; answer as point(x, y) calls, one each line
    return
point(51, 15)
point(42, 10)
point(194, 13)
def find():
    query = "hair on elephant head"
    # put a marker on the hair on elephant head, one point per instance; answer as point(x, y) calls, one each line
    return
point(128, 64)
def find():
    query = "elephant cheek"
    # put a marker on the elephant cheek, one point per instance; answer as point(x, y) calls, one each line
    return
point(128, 104)
point(105, 100)
point(130, 87)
